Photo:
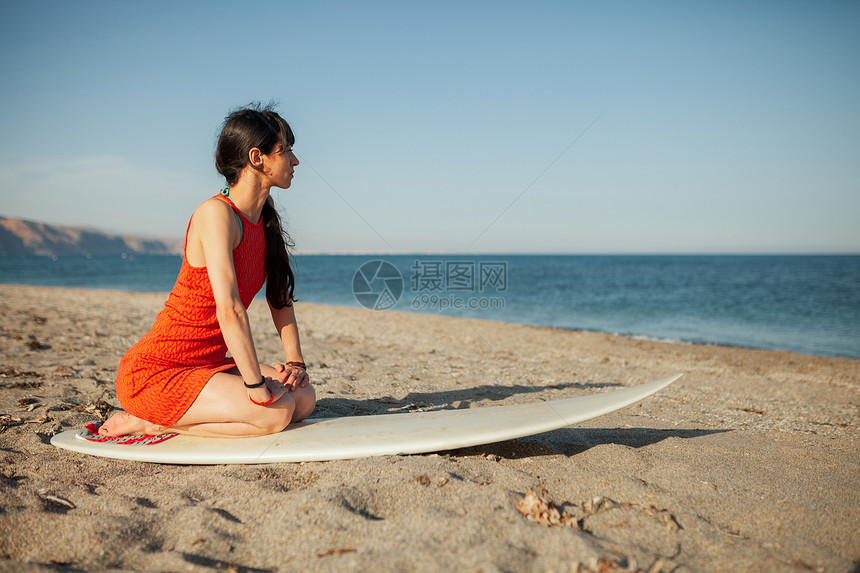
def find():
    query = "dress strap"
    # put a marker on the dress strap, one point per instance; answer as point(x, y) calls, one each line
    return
point(225, 193)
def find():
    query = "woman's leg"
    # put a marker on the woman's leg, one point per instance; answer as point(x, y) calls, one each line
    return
point(124, 424)
point(222, 409)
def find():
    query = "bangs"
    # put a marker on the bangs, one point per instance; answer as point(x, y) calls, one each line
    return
point(285, 133)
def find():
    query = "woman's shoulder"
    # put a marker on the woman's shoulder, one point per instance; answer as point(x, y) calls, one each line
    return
point(213, 209)
point(214, 214)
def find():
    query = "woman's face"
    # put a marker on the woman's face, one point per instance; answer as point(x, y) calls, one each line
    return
point(281, 163)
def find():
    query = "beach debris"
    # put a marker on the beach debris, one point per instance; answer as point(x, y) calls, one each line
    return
point(752, 411)
point(91, 488)
point(424, 480)
point(62, 406)
point(64, 371)
point(539, 509)
point(29, 403)
point(12, 372)
point(662, 515)
point(43, 419)
point(7, 421)
point(601, 503)
point(836, 424)
point(23, 384)
point(610, 565)
point(98, 407)
point(34, 344)
point(536, 507)
point(56, 502)
point(336, 552)
point(597, 504)
point(40, 320)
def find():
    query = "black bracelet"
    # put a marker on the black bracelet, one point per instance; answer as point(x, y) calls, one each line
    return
point(297, 364)
point(257, 385)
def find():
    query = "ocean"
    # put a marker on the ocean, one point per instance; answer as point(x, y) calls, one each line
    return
point(808, 304)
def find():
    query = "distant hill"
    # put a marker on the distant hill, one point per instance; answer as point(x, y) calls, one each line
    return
point(20, 237)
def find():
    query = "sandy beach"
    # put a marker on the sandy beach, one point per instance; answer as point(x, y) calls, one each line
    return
point(751, 462)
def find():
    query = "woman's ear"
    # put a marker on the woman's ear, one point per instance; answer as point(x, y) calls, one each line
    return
point(255, 157)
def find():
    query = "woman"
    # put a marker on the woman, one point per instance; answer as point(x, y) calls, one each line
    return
point(177, 378)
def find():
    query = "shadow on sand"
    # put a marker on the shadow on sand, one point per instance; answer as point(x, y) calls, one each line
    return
point(572, 441)
point(443, 400)
point(566, 441)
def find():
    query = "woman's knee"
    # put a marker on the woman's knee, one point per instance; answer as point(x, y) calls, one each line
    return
point(277, 416)
point(306, 400)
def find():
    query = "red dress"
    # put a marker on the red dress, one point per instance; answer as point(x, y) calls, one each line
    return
point(161, 376)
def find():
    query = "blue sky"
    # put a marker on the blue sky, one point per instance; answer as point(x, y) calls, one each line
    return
point(486, 127)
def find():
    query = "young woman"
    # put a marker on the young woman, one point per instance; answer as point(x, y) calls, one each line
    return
point(177, 378)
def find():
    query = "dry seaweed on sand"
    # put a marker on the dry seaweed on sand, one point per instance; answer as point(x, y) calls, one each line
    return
point(7, 421)
point(13, 372)
point(610, 565)
point(539, 509)
point(28, 404)
point(43, 419)
point(600, 503)
point(98, 407)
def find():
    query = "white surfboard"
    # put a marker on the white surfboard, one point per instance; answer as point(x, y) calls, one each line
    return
point(379, 435)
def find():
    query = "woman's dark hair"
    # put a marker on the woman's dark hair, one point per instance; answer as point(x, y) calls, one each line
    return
point(243, 130)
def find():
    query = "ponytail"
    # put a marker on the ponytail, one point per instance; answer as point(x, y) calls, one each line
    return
point(280, 280)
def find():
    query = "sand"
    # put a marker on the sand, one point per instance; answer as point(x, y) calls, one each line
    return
point(751, 462)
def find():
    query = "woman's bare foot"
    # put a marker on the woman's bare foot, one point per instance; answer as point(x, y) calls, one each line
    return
point(124, 424)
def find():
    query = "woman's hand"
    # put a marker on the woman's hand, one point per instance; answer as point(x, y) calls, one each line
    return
point(269, 392)
point(292, 377)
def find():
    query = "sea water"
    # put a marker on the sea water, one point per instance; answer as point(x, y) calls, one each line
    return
point(808, 304)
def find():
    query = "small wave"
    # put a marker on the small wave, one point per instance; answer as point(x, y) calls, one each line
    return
point(657, 338)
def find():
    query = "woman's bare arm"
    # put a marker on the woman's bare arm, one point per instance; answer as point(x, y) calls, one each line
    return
point(213, 235)
point(288, 330)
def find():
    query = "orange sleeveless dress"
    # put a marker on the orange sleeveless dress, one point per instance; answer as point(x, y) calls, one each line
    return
point(161, 376)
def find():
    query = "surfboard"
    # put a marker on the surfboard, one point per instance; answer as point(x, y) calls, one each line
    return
point(352, 437)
